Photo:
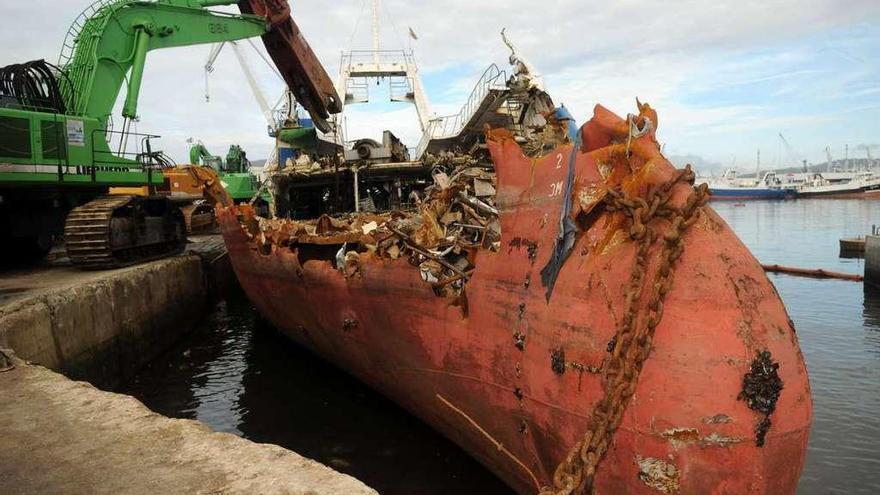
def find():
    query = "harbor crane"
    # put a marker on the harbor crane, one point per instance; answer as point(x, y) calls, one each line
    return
point(263, 102)
point(791, 153)
point(870, 157)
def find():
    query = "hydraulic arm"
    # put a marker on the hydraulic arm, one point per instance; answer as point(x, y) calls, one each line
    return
point(109, 50)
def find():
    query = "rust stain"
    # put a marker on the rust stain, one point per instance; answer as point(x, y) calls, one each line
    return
point(618, 237)
point(681, 437)
point(717, 419)
point(658, 474)
point(682, 434)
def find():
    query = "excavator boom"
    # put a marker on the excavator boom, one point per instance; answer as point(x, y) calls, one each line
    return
point(114, 39)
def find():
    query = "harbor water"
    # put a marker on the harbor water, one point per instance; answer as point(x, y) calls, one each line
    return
point(237, 375)
point(838, 325)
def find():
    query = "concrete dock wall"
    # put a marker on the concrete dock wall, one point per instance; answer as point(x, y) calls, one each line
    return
point(872, 260)
point(102, 330)
point(62, 437)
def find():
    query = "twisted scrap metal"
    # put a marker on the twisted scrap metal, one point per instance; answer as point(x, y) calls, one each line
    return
point(635, 332)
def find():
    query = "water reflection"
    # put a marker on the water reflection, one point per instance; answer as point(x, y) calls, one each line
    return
point(238, 375)
point(871, 316)
point(201, 377)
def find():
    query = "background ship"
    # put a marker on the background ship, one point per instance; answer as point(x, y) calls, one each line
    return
point(840, 185)
point(729, 186)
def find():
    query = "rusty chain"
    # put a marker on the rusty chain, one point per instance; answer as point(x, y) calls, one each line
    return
point(632, 341)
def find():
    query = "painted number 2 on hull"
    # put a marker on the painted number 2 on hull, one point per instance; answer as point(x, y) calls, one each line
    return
point(556, 187)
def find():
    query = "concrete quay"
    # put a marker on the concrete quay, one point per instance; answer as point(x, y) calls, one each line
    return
point(63, 437)
point(101, 326)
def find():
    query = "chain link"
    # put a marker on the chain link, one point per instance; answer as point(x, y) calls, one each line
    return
point(631, 344)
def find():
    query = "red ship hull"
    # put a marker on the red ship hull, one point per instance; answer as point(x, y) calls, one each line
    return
point(485, 376)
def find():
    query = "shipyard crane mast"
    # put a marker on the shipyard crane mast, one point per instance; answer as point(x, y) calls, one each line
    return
point(829, 158)
point(791, 153)
point(870, 157)
point(262, 101)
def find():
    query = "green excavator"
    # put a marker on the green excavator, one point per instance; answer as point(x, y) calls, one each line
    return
point(60, 155)
point(235, 175)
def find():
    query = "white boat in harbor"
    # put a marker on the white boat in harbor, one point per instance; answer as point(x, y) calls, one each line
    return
point(840, 185)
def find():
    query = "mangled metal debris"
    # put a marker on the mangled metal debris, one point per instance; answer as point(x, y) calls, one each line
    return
point(440, 237)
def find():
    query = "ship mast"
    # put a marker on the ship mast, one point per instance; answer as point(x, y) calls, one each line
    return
point(359, 67)
point(376, 32)
point(758, 167)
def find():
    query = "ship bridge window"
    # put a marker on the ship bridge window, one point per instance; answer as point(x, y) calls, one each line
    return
point(15, 137)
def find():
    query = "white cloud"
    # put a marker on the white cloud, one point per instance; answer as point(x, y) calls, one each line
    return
point(663, 52)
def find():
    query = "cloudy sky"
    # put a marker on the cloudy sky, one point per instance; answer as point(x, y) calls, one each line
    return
point(726, 76)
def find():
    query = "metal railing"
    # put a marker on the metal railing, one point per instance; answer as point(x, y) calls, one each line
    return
point(144, 158)
point(447, 126)
point(358, 89)
point(69, 45)
point(400, 88)
point(356, 58)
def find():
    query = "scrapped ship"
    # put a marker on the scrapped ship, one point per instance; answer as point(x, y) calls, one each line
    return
point(558, 301)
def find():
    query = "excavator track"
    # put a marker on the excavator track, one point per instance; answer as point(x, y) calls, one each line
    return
point(94, 242)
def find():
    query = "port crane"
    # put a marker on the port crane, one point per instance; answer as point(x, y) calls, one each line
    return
point(791, 153)
point(870, 157)
point(56, 159)
point(262, 101)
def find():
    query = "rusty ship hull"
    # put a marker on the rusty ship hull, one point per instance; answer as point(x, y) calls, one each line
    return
point(516, 374)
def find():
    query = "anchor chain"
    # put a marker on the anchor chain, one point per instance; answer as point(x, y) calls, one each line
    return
point(631, 344)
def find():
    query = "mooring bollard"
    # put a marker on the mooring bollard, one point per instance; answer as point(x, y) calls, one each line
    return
point(872, 258)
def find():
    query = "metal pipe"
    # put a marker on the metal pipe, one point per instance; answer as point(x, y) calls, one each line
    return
point(813, 273)
point(123, 138)
point(376, 32)
point(357, 198)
